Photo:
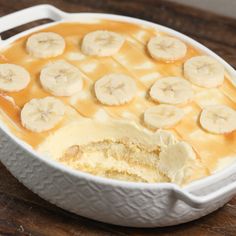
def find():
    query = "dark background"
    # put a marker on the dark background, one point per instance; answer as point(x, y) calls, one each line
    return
point(24, 213)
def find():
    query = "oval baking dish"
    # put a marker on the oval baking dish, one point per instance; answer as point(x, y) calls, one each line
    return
point(98, 198)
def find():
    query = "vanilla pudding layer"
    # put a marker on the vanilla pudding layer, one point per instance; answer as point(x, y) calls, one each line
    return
point(122, 159)
point(119, 149)
point(134, 61)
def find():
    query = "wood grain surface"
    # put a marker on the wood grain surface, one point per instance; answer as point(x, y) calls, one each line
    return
point(24, 213)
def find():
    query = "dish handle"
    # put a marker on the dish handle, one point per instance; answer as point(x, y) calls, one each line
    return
point(30, 14)
point(204, 201)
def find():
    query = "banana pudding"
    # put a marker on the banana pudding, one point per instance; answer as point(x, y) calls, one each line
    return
point(119, 100)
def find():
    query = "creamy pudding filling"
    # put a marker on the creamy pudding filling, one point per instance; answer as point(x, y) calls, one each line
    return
point(115, 158)
point(166, 160)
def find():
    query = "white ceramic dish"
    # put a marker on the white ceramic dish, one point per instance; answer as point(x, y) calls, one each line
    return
point(106, 200)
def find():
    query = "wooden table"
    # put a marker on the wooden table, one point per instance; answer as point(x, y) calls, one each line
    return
point(24, 213)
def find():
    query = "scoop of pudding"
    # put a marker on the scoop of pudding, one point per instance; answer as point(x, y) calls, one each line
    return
point(123, 150)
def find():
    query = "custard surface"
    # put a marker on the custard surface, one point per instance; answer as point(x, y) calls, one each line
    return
point(133, 60)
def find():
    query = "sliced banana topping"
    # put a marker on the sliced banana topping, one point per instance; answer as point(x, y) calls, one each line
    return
point(102, 43)
point(166, 48)
point(61, 78)
point(218, 119)
point(162, 116)
point(115, 89)
point(204, 71)
point(42, 114)
point(45, 44)
point(177, 161)
point(13, 78)
point(171, 90)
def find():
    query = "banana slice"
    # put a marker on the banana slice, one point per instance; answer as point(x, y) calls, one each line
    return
point(115, 89)
point(162, 116)
point(101, 43)
point(177, 161)
point(171, 90)
point(204, 71)
point(218, 119)
point(166, 48)
point(42, 114)
point(61, 78)
point(45, 44)
point(13, 78)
